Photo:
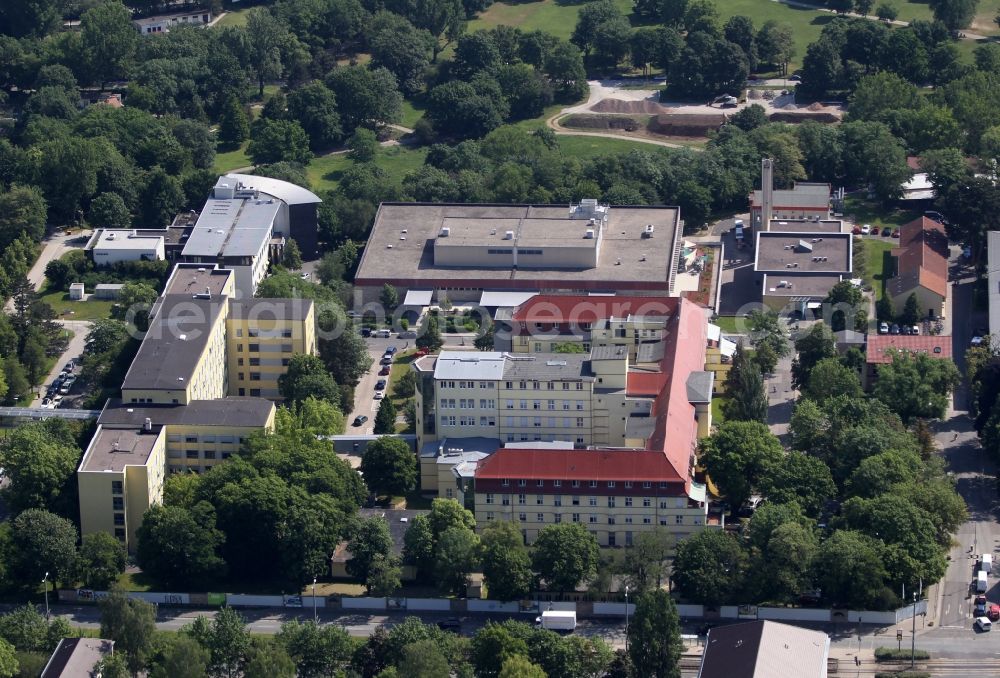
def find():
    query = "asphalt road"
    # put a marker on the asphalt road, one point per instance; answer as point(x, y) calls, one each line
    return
point(74, 349)
point(364, 400)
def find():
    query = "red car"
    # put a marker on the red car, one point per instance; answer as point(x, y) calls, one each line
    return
point(895, 233)
point(856, 230)
point(994, 612)
point(384, 371)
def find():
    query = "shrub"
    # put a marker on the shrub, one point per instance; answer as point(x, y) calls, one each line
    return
point(887, 654)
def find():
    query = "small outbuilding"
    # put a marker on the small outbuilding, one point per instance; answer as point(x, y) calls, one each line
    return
point(76, 291)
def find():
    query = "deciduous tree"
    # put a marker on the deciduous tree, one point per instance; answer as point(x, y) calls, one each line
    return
point(709, 567)
point(565, 555)
point(389, 466)
point(178, 546)
point(654, 635)
point(738, 456)
point(131, 623)
point(100, 561)
point(506, 562)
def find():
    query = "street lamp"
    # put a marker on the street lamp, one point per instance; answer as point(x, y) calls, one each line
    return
point(315, 615)
point(626, 619)
point(45, 581)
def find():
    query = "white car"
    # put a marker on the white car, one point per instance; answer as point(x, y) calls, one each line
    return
point(983, 624)
point(866, 229)
point(379, 395)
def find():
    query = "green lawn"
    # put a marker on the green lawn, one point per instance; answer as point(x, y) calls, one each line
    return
point(718, 402)
point(728, 324)
point(868, 212)
point(879, 264)
point(412, 111)
point(234, 18)
point(325, 172)
point(589, 147)
point(230, 160)
point(75, 310)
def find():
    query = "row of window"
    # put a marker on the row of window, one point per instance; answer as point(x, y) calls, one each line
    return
point(254, 392)
point(593, 519)
point(522, 482)
point(255, 332)
point(255, 348)
point(523, 437)
point(206, 438)
point(551, 422)
point(467, 404)
point(549, 404)
point(522, 385)
point(576, 500)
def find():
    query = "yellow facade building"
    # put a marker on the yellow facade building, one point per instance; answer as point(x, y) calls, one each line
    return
point(263, 335)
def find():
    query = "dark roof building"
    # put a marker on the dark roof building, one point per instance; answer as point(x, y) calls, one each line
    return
point(764, 649)
point(75, 657)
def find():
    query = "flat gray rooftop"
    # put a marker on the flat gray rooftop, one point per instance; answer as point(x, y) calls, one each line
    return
point(75, 657)
point(806, 226)
point(548, 367)
point(232, 228)
point(802, 285)
point(626, 256)
point(798, 253)
point(114, 449)
point(226, 412)
point(177, 336)
point(191, 279)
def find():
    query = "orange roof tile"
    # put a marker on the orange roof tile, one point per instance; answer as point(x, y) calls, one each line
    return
point(923, 254)
point(880, 347)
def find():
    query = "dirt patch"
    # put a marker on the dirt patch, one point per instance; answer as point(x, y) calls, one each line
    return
point(622, 122)
point(687, 124)
point(801, 115)
point(646, 106)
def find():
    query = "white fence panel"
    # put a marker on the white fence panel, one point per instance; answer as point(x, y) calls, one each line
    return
point(907, 612)
point(492, 606)
point(613, 609)
point(867, 617)
point(162, 598)
point(249, 600)
point(430, 604)
point(307, 601)
point(729, 611)
point(363, 603)
point(691, 610)
point(568, 606)
point(793, 614)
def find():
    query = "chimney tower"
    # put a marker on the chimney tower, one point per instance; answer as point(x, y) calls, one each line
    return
point(767, 193)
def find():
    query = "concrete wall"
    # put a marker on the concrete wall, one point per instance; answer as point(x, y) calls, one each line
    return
point(363, 603)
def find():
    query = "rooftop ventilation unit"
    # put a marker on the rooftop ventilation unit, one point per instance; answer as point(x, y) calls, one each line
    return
point(147, 426)
point(509, 235)
point(805, 246)
point(588, 234)
point(445, 232)
point(648, 231)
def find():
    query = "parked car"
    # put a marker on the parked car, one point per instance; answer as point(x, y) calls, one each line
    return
point(304, 275)
point(895, 233)
point(886, 232)
point(993, 613)
point(57, 401)
point(45, 402)
point(391, 350)
point(866, 229)
point(69, 366)
point(795, 78)
point(408, 334)
point(914, 329)
point(983, 624)
point(856, 230)
point(883, 328)
point(379, 395)
point(386, 359)
point(380, 385)
point(359, 420)
point(366, 332)
point(980, 607)
point(384, 372)
point(894, 329)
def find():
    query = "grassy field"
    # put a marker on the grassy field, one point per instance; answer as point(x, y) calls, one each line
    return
point(230, 160)
point(867, 212)
point(728, 324)
point(879, 267)
point(325, 172)
point(76, 310)
point(234, 18)
point(589, 147)
point(412, 111)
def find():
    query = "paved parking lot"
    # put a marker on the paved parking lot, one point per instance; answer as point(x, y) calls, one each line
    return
point(364, 400)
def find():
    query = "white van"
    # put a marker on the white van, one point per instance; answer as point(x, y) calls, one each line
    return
point(383, 334)
point(982, 583)
point(986, 563)
point(983, 624)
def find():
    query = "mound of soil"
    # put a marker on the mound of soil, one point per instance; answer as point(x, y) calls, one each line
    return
point(628, 107)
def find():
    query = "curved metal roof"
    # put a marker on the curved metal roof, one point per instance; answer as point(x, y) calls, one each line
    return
point(285, 191)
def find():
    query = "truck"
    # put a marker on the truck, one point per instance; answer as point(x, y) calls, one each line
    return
point(557, 620)
point(982, 583)
point(986, 563)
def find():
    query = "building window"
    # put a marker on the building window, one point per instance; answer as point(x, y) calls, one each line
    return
point(576, 517)
point(552, 404)
point(646, 484)
point(557, 500)
point(576, 483)
point(579, 421)
point(254, 348)
point(239, 376)
point(565, 385)
point(611, 520)
point(523, 517)
point(255, 376)
point(505, 482)
point(628, 520)
point(287, 334)
point(628, 501)
point(679, 520)
point(239, 331)
point(558, 517)
point(209, 454)
point(663, 504)
point(646, 502)
point(119, 519)
point(120, 532)
point(611, 538)
point(522, 499)
point(510, 404)
point(646, 520)
point(255, 393)
point(593, 519)
point(242, 392)
point(254, 362)
point(239, 362)
point(117, 503)
point(539, 499)
point(593, 483)
point(592, 501)
point(611, 502)
point(192, 454)
point(489, 498)
point(522, 482)
point(628, 484)
point(540, 517)
point(489, 515)
point(556, 483)
point(611, 483)
point(117, 487)
point(575, 500)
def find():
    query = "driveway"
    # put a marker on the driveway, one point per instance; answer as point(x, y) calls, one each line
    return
point(53, 247)
point(74, 350)
point(740, 291)
point(364, 400)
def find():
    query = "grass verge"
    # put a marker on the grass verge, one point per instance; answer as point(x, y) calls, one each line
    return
point(76, 310)
point(880, 266)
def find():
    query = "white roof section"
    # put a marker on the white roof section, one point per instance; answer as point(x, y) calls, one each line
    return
point(287, 192)
point(418, 298)
point(235, 227)
point(993, 265)
point(727, 348)
point(121, 239)
point(487, 365)
point(714, 332)
point(540, 445)
point(505, 299)
point(919, 187)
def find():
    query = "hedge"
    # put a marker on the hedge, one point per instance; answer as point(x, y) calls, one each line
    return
point(888, 654)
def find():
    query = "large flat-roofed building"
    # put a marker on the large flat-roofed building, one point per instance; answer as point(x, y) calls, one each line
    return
point(615, 492)
point(264, 334)
point(461, 251)
point(111, 246)
point(805, 200)
point(764, 649)
point(180, 408)
point(796, 269)
point(547, 322)
point(245, 223)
